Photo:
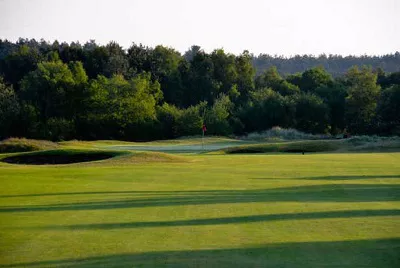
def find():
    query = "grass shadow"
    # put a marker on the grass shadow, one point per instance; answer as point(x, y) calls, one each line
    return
point(358, 253)
point(341, 177)
point(227, 220)
point(312, 193)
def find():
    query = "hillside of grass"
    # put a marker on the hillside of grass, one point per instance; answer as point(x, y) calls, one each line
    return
point(13, 145)
point(354, 144)
point(284, 210)
point(286, 147)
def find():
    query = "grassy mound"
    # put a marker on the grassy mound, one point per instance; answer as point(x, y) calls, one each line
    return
point(373, 143)
point(55, 157)
point(15, 145)
point(150, 157)
point(289, 147)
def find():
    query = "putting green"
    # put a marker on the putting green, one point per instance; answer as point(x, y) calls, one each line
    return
point(285, 210)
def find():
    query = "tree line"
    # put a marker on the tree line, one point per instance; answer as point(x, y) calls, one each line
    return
point(337, 65)
point(63, 91)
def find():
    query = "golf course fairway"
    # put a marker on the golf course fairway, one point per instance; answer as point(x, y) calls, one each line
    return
point(203, 210)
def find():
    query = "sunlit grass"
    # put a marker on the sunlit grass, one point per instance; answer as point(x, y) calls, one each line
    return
point(202, 210)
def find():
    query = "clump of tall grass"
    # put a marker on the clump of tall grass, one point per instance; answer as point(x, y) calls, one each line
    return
point(282, 134)
point(374, 142)
point(14, 145)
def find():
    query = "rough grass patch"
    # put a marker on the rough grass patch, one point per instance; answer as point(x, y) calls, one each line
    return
point(15, 145)
point(373, 143)
point(279, 134)
point(149, 157)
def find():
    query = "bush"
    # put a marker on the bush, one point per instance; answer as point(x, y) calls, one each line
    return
point(278, 133)
point(60, 129)
point(190, 122)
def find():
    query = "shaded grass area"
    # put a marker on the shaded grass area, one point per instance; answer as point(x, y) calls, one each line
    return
point(283, 210)
point(357, 253)
point(228, 220)
point(313, 193)
point(287, 147)
point(70, 156)
point(55, 157)
point(14, 145)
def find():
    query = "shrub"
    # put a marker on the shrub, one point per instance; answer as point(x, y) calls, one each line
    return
point(278, 133)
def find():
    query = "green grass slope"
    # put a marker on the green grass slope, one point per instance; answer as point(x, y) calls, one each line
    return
point(285, 210)
point(286, 147)
point(14, 145)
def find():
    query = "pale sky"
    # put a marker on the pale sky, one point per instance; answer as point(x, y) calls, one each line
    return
point(283, 27)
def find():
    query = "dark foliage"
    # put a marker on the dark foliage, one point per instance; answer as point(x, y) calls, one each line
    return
point(65, 91)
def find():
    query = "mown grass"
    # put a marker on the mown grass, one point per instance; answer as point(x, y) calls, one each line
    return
point(151, 209)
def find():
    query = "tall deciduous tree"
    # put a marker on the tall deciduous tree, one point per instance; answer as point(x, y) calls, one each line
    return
point(361, 102)
point(389, 110)
point(119, 107)
point(9, 109)
point(19, 63)
point(312, 114)
point(246, 74)
point(313, 79)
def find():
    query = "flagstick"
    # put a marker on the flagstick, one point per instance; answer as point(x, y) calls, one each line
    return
point(202, 140)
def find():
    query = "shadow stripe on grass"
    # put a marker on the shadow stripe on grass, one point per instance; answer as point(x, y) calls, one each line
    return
point(313, 193)
point(356, 253)
point(228, 220)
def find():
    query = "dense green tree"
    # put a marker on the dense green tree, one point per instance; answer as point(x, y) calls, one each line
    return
point(271, 79)
point(312, 114)
point(389, 80)
point(189, 55)
point(200, 84)
point(117, 61)
point(64, 91)
point(334, 96)
point(164, 67)
point(46, 88)
point(191, 120)
point(119, 107)
point(55, 91)
point(245, 75)
point(336, 65)
point(361, 102)
point(266, 109)
point(313, 79)
point(225, 72)
point(19, 63)
point(9, 110)
point(96, 58)
point(139, 58)
point(168, 117)
point(389, 110)
point(71, 52)
point(217, 117)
